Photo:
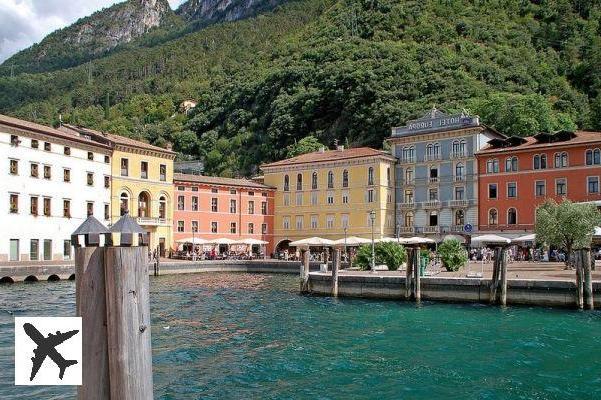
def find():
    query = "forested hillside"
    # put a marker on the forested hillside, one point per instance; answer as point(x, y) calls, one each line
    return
point(346, 70)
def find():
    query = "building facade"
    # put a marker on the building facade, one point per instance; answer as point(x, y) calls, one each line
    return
point(330, 194)
point(212, 208)
point(142, 184)
point(52, 180)
point(437, 173)
point(519, 174)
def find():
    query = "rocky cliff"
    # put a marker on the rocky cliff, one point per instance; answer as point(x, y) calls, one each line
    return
point(207, 11)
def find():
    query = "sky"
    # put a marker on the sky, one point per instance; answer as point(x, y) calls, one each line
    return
point(25, 22)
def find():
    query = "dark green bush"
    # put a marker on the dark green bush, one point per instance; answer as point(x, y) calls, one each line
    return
point(452, 255)
point(389, 253)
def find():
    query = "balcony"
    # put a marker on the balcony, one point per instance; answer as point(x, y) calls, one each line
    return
point(459, 178)
point(409, 182)
point(431, 229)
point(456, 228)
point(408, 205)
point(459, 203)
point(149, 221)
point(457, 155)
point(406, 160)
point(431, 204)
point(406, 229)
point(432, 157)
point(433, 179)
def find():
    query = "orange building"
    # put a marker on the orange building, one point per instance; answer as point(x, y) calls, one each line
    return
point(516, 175)
point(211, 208)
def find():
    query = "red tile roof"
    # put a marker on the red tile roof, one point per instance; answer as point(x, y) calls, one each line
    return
point(47, 130)
point(116, 139)
point(331, 155)
point(215, 180)
point(530, 142)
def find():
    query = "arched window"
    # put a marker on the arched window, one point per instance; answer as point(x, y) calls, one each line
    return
point(429, 150)
point(514, 163)
point(162, 207)
point(493, 217)
point(459, 171)
point(345, 178)
point(543, 161)
point(564, 159)
point(459, 217)
point(314, 180)
point(433, 218)
point(411, 152)
point(436, 149)
point(455, 147)
point(299, 182)
point(124, 203)
point(561, 160)
point(492, 166)
point(409, 219)
point(408, 176)
point(370, 176)
point(330, 180)
point(512, 216)
point(286, 183)
point(143, 205)
point(596, 156)
point(537, 162)
point(462, 144)
point(388, 181)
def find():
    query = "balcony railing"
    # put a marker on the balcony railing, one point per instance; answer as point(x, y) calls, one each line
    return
point(406, 229)
point(459, 178)
point(455, 155)
point(432, 157)
point(459, 203)
point(149, 221)
point(431, 229)
point(433, 179)
point(407, 160)
point(407, 205)
point(456, 228)
point(432, 204)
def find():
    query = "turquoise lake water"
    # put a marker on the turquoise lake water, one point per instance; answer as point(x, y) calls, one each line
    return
point(243, 336)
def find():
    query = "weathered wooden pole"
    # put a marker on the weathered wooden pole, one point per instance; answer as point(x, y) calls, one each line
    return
point(305, 270)
point(91, 307)
point(409, 274)
point(584, 257)
point(128, 312)
point(579, 281)
point(416, 272)
point(495, 276)
point(335, 267)
point(503, 273)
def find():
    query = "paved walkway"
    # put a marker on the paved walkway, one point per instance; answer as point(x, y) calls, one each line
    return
point(515, 270)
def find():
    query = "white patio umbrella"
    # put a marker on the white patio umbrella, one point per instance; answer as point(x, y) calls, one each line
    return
point(222, 241)
point(385, 240)
point(597, 232)
point(251, 241)
point(352, 241)
point(461, 239)
point(193, 241)
point(419, 240)
point(490, 239)
point(526, 238)
point(312, 241)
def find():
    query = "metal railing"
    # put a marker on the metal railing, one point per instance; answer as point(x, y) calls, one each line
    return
point(431, 229)
point(431, 204)
point(151, 221)
point(459, 203)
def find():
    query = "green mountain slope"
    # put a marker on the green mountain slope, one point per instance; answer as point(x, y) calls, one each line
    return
point(346, 70)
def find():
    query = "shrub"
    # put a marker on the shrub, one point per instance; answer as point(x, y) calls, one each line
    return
point(452, 255)
point(389, 253)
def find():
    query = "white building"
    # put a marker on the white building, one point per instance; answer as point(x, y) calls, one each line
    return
point(49, 183)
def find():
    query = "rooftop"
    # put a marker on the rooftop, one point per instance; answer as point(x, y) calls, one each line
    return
point(48, 130)
point(331, 155)
point(115, 139)
point(215, 180)
point(541, 141)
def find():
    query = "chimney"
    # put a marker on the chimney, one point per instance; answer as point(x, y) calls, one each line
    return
point(169, 146)
point(340, 147)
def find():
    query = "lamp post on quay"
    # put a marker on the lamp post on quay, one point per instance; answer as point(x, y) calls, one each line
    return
point(345, 252)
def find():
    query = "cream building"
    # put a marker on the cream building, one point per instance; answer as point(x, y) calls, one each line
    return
point(330, 194)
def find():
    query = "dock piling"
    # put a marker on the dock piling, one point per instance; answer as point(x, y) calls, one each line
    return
point(335, 267)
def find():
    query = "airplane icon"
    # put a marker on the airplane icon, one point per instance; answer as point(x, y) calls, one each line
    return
point(46, 347)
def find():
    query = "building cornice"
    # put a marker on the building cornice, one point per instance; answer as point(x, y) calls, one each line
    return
point(142, 151)
point(436, 135)
point(330, 164)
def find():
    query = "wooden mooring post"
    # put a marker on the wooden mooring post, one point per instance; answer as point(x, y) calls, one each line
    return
point(91, 307)
point(304, 270)
point(584, 281)
point(112, 291)
point(499, 276)
point(417, 290)
point(335, 268)
point(409, 274)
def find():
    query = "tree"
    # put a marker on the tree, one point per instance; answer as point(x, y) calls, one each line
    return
point(389, 253)
point(566, 225)
point(452, 254)
point(307, 144)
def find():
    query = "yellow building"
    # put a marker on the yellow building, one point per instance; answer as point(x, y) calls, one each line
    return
point(141, 183)
point(330, 193)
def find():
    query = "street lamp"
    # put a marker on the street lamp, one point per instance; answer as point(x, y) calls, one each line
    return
point(372, 218)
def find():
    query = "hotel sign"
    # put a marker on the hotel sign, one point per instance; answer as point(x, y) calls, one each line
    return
point(435, 121)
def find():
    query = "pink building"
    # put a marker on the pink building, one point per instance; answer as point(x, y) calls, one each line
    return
point(211, 208)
